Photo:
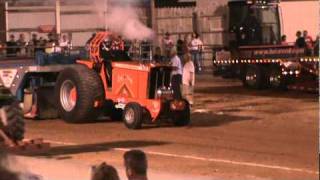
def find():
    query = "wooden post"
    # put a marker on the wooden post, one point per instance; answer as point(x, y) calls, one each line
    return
point(58, 17)
point(154, 22)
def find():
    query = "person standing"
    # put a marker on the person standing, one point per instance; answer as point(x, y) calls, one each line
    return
point(316, 46)
point(33, 45)
point(188, 78)
point(300, 41)
point(179, 46)
point(65, 43)
point(12, 47)
point(157, 57)
point(284, 40)
point(22, 44)
point(167, 43)
point(176, 79)
point(135, 49)
point(196, 50)
point(309, 43)
point(136, 165)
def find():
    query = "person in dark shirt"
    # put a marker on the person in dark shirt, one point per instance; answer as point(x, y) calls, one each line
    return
point(316, 46)
point(251, 34)
point(300, 42)
point(158, 58)
point(12, 47)
point(180, 46)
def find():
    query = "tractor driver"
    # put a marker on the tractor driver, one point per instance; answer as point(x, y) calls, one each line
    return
point(106, 54)
point(112, 49)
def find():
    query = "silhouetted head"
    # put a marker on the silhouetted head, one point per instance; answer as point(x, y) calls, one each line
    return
point(136, 165)
point(104, 172)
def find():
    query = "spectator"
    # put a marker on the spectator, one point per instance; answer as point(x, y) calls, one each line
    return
point(179, 46)
point(1, 48)
point(284, 40)
point(316, 47)
point(188, 78)
point(196, 50)
point(309, 43)
point(12, 47)
point(135, 49)
point(186, 44)
point(65, 43)
point(22, 44)
point(176, 79)
point(145, 50)
point(167, 43)
point(33, 45)
point(104, 172)
point(51, 38)
point(300, 42)
point(7, 174)
point(43, 43)
point(158, 58)
point(136, 165)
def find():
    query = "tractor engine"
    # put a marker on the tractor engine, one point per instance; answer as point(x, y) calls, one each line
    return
point(159, 83)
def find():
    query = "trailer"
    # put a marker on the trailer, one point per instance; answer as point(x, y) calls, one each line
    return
point(33, 84)
point(256, 54)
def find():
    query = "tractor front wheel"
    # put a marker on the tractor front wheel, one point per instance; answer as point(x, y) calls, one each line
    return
point(182, 118)
point(133, 116)
point(79, 94)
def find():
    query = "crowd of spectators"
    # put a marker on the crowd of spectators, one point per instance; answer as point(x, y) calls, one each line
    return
point(189, 44)
point(304, 40)
point(135, 165)
point(21, 47)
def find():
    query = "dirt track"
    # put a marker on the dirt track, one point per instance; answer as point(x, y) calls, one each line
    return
point(235, 133)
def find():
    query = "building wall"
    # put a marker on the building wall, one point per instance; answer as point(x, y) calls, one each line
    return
point(208, 18)
point(79, 21)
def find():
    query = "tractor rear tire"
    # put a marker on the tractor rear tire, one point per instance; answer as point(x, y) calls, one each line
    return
point(15, 127)
point(181, 118)
point(133, 116)
point(89, 94)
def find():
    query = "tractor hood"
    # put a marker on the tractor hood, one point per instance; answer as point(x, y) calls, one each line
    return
point(139, 66)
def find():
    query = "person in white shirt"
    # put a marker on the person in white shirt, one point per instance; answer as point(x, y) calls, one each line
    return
point(188, 78)
point(196, 47)
point(65, 43)
point(176, 79)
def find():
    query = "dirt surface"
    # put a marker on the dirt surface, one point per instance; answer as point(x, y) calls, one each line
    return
point(235, 133)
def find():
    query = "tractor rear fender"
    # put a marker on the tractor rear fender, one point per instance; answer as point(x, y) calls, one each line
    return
point(102, 73)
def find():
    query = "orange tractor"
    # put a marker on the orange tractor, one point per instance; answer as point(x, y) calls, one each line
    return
point(133, 91)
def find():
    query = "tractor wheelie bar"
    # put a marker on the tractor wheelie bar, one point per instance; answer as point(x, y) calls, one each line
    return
point(108, 83)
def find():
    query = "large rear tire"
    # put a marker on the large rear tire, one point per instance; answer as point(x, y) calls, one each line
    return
point(14, 127)
point(79, 94)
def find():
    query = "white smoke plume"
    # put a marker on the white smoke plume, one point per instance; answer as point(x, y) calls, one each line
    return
point(119, 16)
point(125, 21)
point(122, 18)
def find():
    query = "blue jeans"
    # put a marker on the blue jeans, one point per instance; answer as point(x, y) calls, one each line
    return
point(40, 58)
point(196, 58)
